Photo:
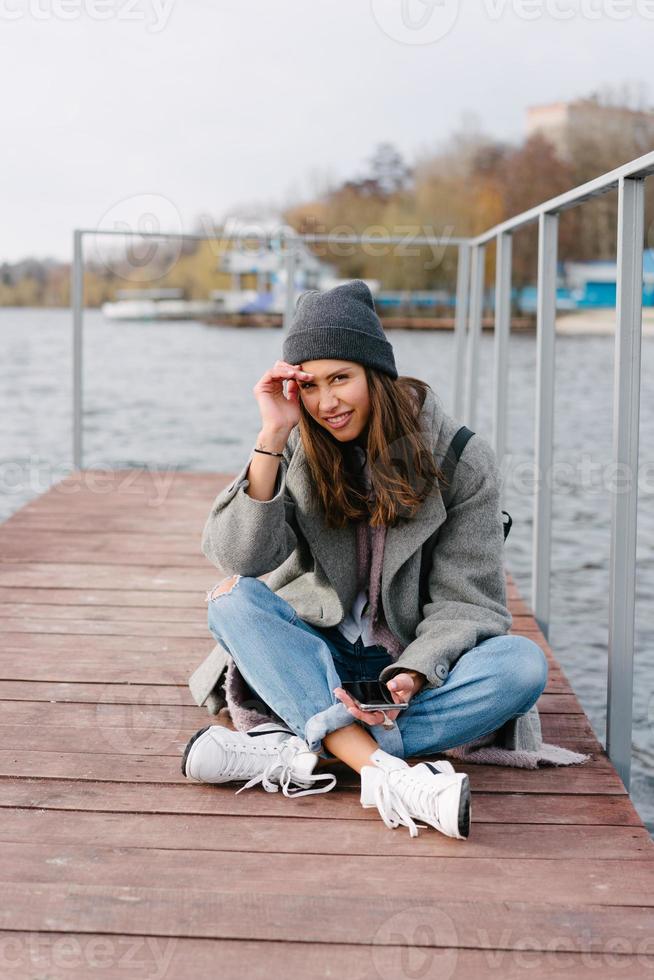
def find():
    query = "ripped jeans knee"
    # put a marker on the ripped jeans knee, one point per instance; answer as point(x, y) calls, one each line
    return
point(224, 587)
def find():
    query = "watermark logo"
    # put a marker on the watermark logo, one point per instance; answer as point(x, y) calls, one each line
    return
point(47, 954)
point(415, 21)
point(155, 14)
point(140, 256)
point(139, 718)
point(417, 942)
point(427, 21)
point(33, 476)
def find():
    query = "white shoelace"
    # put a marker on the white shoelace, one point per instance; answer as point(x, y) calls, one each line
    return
point(419, 795)
point(282, 767)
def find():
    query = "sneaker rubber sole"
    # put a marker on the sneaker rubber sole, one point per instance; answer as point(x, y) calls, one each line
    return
point(464, 808)
point(189, 744)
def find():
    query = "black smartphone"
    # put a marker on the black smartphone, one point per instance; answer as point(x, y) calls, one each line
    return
point(371, 695)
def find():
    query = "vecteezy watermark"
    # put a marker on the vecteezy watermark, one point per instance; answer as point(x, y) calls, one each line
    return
point(153, 13)
point(36, 953)
point(586, 474)
point(539, 955)
point(33, 476)
point(418, 942)
point(415, 21)
point(253, 238)
point(147, 228)
point(428, 21)
point(145, 719)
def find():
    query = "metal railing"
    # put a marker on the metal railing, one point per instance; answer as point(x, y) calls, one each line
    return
point(629, 180)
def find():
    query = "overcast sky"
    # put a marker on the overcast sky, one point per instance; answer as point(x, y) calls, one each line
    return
point(112, 108)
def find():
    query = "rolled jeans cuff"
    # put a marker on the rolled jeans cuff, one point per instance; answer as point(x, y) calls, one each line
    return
point(338, 716)
point(324, 722)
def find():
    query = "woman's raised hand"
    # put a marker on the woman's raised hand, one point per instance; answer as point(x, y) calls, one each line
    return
point(280, 412)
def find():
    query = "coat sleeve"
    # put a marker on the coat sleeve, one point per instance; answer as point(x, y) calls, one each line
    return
point(244, 536)
point(467, 583)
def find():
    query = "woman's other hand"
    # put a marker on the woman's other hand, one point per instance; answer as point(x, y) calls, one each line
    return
point(280, 412)
point(402, 687)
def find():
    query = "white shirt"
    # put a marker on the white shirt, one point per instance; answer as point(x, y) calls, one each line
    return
point(357, 622)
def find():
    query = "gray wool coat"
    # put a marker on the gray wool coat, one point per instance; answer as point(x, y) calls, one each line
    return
point(313, 567)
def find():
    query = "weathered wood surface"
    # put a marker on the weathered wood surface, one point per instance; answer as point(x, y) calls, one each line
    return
point(113, 864)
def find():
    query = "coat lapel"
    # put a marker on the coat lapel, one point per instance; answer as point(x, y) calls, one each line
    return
point(333, 548)
point(409, 535)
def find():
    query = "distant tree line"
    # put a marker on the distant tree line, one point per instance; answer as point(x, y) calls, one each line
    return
point(467, 184)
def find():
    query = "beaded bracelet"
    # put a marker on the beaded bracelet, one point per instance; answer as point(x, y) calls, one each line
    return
point(267, 452)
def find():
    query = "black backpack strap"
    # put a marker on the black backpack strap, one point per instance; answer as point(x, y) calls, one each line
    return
point(447, 468)
point(449, 465)
point(507, 524)
point(451, 458)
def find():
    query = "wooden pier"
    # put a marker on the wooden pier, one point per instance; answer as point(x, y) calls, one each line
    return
point(113, 864)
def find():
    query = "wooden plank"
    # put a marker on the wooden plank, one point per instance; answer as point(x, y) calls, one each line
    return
point(147, 710)
point(129, 646)
point(18, 715)
point(92, 613)
point(119, 599)
point(147, 667)
point(158, 957)
point(161, 694)
point(316, 918)
point(145, 578)
point(142, 668)
point(160, 505)
point(503, 807)
point(94, 693)
point(82, 556)
point(140, 730)
point(158, 728)
point(150, 666)
point(17, 542)
point(141, 479)
point(121, 524)
point(105, 627)
point(104, 693)
point(575, 881)
point(297, 835)
point(593, 777)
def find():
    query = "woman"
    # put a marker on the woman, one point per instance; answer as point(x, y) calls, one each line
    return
point(339, 502)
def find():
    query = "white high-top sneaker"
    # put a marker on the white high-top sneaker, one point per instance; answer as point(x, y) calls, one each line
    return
point(267, 754)
point(429, 791)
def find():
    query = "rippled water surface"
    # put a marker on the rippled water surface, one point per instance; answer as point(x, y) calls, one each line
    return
point(180, 395)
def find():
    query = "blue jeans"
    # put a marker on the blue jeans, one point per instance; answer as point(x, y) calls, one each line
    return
point(294, 667)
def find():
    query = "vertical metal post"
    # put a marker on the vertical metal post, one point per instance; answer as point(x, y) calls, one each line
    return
point(474, 333)
point(624, 501)
point(290, 261)
point(501, 341)
point(548, 226)
point(77, 301)
point(460, 324)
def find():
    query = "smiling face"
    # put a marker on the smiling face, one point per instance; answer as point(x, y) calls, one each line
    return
point(337, 388)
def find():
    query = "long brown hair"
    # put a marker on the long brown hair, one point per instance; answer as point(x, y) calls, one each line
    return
point(402, 466)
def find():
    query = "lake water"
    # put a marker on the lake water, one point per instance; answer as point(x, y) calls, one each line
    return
point(180, 395)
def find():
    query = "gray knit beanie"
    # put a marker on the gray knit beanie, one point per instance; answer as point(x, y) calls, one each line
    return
point(338, 323)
